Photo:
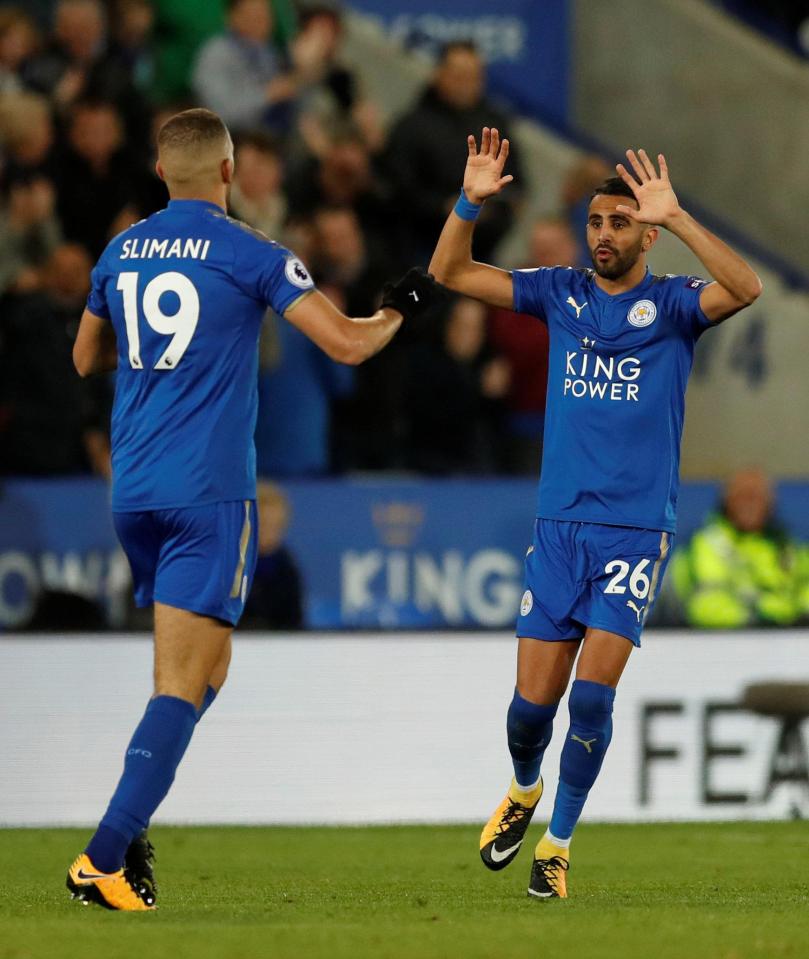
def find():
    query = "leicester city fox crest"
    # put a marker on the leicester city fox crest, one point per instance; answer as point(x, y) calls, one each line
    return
point(642, 313)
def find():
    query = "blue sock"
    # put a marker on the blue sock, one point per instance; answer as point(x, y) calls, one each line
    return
point(583, 753)
point(529, 727)
point(152, 758)
point(207, 700)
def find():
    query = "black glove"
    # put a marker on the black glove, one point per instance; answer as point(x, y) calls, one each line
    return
point(413, 294)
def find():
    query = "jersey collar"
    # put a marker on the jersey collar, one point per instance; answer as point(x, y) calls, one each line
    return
point(192, 206)
point(641, 287)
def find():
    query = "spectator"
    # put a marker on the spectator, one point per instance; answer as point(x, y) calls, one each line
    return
point(29, 234)
point(366, 421)
point(452, 397)
point(275, 600)
point(240, 76)
point(344, 259)
point(343, 177)
point(51, 422)
point(297, 385)
point(741, 568)
point(181, 28)
point(256, 195)
point(427, 152)
point(99, 184)
point(132, 45)
point(331, 98)
point(76, 65)
point(26, 129)
point(19, 40)
point(523, 343)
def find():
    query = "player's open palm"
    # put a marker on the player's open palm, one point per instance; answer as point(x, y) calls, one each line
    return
point(484, 168)
point(657, 202)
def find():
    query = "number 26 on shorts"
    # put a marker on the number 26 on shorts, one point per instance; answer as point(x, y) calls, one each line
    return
point(638, 580)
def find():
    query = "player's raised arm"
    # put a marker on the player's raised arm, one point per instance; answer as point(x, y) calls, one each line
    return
point(94, 350)
point(452, 262)
point(735, 285)
point(353, 340)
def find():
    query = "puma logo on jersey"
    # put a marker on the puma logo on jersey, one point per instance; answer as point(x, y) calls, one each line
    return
point(638, 609)
point(576, 306)
point(587, 743)
point(414, 295)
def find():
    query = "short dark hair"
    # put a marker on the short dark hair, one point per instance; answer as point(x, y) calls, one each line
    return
point(231, 5)
point(467, 46)
point(261, 142)
point(312, 11)
point(614, 186)
point(192, 128)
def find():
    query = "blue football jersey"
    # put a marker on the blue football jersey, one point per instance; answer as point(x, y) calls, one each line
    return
point(186, 291)
point(617, 374)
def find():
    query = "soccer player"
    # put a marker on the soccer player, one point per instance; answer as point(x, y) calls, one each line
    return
point(621, 348)
point(175, 306)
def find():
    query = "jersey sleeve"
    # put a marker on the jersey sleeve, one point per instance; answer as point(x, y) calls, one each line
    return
point(271, 273)
point(531, 289)
point(688, 314)
point(97, 298)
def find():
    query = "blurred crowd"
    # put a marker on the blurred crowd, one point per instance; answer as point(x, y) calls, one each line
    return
point(85, 84)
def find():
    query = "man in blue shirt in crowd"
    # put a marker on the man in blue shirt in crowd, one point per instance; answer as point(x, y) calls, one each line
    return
point(621, 348)
point(176, 307)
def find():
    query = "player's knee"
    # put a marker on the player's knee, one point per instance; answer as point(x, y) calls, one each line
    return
point(182, 687)
point(591, 704)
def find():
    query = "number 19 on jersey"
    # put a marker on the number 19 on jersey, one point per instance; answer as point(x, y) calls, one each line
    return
point(180, 326)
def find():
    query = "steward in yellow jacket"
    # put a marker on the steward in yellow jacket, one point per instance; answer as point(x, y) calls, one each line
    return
point(741, 569)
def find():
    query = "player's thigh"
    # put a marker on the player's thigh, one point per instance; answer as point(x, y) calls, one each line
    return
point(543, 668)
point(603, 657)
point(188, 648)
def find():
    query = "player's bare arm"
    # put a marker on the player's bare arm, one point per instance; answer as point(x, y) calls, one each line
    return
point(346, 339)
point(94, 350)
point(735, 284)
point(452, 262)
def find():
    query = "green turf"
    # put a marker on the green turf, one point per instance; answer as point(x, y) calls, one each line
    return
point(729, 891)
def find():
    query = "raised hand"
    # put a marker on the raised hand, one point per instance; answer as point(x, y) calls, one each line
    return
point(483, 176)
point(657, 202)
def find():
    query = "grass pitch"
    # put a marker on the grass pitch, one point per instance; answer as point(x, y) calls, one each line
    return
point(729, 891)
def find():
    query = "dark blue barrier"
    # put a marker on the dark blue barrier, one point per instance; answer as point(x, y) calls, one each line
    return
point(375, 553)
point(525, 43)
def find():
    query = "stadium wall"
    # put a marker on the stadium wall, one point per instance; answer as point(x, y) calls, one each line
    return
point(719, 100)
point(337, 729)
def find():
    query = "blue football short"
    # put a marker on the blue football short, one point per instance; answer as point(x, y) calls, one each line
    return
point(199, 558)
point(587, 574)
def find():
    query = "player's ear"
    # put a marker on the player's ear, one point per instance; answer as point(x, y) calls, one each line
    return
point(227, 170)
point(650, 238)
point(159, 170)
